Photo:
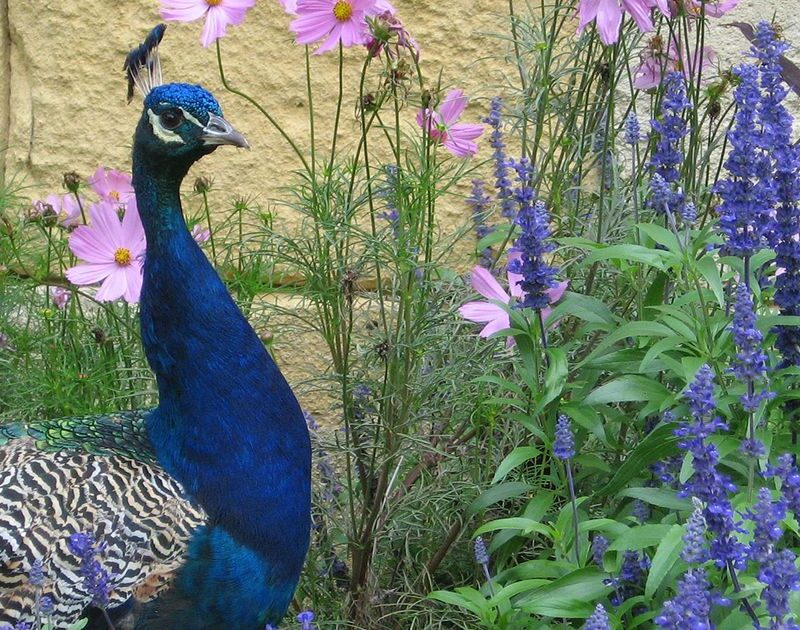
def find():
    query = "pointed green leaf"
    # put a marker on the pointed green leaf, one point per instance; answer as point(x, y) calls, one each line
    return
point(640, 537)
point(518, 456)
point(497, 493)
point(659, 444)
point(629, 388)
point(666, 556)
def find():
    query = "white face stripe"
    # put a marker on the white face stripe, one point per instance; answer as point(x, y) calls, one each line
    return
point(191, 118)
point(165, 135)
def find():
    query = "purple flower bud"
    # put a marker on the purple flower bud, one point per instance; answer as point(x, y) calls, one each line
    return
point(481, 554)
point(599, 547)
point(694, 540)
point(36, 576)
point(564, 443)
point(632, 130)
point(46, 605)
point(598, 620)
point(306, 619)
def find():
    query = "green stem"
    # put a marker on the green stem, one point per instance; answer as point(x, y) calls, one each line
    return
point(258, 106)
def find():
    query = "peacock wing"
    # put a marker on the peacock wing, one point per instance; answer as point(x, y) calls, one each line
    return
point(96, 474)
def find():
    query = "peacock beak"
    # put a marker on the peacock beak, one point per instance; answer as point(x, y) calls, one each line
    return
point(220, 131)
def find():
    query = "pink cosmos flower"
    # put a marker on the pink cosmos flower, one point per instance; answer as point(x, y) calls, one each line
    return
point(493, 315)
point(113, 186)
point(60, 296)
point(334, 21)
point(290, 6)
point(608, 15)
point(113, 251)
point(218, 13)
point(442, 126)
point(655, 64)
point(200, 235)
point(64, 207)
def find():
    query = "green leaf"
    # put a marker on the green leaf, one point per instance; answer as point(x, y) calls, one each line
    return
point(583, 307)
point(498, 493)
point(655, 293)
point(524, 525)
point(518, 456)
point(658, 349)
point(463, 598)
point(662, 236)
point(657, 496)
point(708, 267)
point(666, 555)
point(554, 379)
point(586, 417)
point(559, 598)
point(507, 385)
point(659, 444)
point(630, 253)
point(630, 329)
point(492, 238)
point(640, 537)
point(629, 388)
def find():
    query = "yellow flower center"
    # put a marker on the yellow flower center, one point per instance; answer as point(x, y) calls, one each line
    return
point(213, 3)
point(342, 10)
point(123, 257)
point(114, 195)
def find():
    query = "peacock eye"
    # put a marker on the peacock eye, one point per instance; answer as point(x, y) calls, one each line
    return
point(171, 118)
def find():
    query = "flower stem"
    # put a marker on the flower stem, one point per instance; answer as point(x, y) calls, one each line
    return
point(258, 106)
point(745, 603)
point(574, 511)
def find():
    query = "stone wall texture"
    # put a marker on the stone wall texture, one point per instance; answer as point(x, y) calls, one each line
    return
point(62, 92)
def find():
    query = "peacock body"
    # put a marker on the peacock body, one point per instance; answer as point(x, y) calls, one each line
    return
point(202, 504)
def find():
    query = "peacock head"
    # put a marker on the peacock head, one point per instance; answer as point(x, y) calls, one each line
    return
point(183, 121)
point(180, 122)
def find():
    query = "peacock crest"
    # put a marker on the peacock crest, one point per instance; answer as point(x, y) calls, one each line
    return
point(143, 64)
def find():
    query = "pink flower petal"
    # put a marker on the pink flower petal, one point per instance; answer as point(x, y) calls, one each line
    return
point(213, 29)
point(113, 287)
point(183, 10)
point(89, 273)
point(452, 106)
point(587, 12)
point(459, 139)
point(481, 312)
point(494, 326)
point(486, 284)
point(640, 14)
point(105, 221)
point(132, 230)
point(90, 246)
point(133, 278)
point(555, 293)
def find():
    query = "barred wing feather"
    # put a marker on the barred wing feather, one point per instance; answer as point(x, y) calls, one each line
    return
point(59, 477)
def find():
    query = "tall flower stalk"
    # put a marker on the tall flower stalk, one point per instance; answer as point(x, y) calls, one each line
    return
point(709, 485)
point(564, 449)
point(533, 243)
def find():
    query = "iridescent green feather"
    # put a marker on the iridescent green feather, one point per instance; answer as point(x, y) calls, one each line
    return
point(122, 433)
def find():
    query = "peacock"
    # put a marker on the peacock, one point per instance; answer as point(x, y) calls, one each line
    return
point(201, 506)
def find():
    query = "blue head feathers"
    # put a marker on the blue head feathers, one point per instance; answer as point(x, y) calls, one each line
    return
point(194, 100)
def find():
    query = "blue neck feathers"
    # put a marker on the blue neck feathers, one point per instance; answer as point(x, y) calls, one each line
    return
point(227, 426)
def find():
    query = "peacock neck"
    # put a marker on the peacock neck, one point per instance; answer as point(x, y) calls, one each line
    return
point(227, 426)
